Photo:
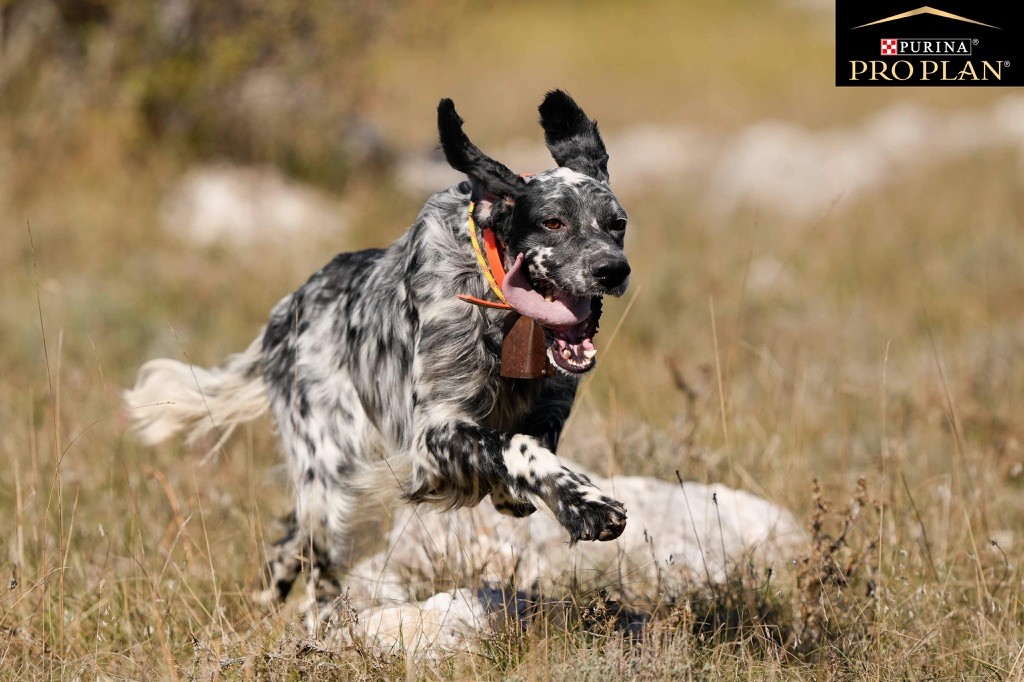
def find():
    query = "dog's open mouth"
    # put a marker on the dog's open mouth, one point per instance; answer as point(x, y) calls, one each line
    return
point(570, 322)
point(572, 348)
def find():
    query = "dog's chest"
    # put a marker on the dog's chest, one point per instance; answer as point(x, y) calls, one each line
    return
point(514, 400)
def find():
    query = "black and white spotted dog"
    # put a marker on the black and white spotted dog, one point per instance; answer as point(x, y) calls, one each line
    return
point(379, 377)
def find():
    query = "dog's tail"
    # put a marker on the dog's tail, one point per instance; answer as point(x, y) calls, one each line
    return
point(170, 397)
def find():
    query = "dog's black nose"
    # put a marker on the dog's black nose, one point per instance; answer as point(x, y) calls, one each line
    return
point(611, 272)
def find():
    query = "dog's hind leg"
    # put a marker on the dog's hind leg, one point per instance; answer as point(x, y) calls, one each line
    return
point(324, 606)
point(326, 512)
point(324, 569)
point(284, 561)
point(326, 436)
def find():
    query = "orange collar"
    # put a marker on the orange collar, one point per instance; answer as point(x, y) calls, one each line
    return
point(490, 264)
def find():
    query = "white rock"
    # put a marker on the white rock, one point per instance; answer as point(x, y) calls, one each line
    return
point(675, 535)
point(802, 173)
point(677, 538)
point(446, 621)
point(244, 205)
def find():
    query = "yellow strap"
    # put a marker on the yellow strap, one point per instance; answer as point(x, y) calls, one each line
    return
point(481, 259)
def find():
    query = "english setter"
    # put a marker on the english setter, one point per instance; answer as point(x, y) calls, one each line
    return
point(380, 378)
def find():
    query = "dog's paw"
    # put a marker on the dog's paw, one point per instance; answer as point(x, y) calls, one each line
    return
point(593, 518)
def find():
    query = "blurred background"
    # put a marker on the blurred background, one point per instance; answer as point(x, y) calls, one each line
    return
point(828, 282)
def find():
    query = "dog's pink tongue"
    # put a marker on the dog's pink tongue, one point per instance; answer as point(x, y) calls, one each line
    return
point(564, 311)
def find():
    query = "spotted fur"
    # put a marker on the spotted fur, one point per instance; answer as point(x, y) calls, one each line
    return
point(380, 379)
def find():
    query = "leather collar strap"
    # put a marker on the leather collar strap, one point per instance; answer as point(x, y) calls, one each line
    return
point(490, 265)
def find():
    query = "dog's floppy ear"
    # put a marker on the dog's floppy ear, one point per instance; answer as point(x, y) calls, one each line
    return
point(464, 156)
point(572, 137)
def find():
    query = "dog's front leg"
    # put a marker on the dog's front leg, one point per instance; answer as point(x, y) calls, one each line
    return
point(459, 462)
point(545, 423)
point(533, 471)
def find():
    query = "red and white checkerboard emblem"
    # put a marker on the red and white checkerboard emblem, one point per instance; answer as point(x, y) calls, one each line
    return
point(890, 46)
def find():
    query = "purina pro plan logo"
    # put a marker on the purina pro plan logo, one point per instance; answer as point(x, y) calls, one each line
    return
point(904, 43)
point(934, 47)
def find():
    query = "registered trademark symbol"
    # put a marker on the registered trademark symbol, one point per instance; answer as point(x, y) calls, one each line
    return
point(975, 41)
point(1006, 63)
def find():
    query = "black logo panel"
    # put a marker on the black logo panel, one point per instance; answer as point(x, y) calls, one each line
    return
point(907, 43)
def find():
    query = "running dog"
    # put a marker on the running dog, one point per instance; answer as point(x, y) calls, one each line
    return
point(379, 377)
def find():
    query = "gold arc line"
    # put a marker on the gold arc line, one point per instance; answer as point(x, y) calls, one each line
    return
point(927, 10)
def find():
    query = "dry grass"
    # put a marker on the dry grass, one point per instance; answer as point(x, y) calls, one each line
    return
point(883, 363)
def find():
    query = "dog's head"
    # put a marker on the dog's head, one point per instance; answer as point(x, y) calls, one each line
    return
point(562, 229)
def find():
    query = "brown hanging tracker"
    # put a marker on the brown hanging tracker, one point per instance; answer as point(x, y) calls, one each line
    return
point(524, 351)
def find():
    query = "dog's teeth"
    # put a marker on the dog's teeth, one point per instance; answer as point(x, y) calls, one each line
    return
point(589, 353)
point(567, 354)
point(550, 298)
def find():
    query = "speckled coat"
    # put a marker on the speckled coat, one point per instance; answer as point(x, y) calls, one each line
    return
point(378, 377)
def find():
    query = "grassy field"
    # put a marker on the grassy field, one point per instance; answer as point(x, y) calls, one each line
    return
point(879, 342)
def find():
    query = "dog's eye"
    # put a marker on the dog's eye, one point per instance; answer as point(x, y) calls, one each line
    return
point(618, 225)
point(554, 224)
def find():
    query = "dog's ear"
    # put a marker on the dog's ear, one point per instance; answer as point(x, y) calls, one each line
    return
point(464, 156)
point(572, 137)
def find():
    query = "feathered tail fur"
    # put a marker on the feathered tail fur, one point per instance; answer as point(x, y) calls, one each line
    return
point(171, 396)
